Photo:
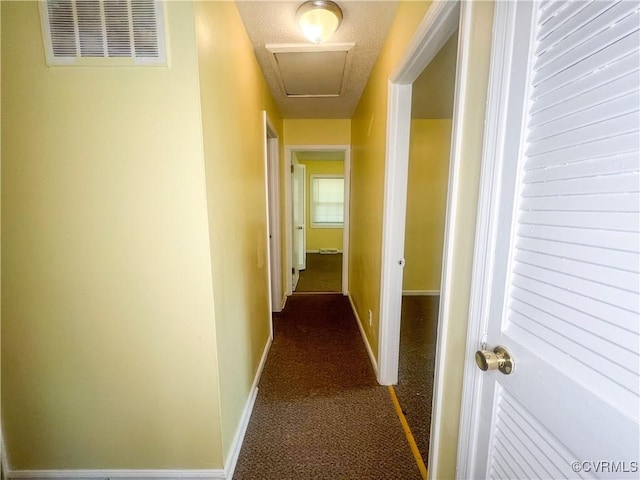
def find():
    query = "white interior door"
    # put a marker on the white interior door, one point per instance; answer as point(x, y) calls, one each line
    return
point(299, 226)
point(558, 248)
point(272, 173)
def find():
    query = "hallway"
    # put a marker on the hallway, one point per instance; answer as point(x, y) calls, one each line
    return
point(319, 412)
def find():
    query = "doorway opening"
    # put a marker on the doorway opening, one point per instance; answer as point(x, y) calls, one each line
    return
point(427, 185)
point(317, 219)
point(435, 30)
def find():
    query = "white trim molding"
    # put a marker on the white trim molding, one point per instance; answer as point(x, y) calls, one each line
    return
point(238, 439)
point(213, 474)
point(487, 224)
point(394, 221)
point(372, 357)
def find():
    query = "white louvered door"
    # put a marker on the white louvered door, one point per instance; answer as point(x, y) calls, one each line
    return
point(558, 255)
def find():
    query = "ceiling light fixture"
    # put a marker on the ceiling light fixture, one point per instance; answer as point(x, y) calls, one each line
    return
point(318, 19)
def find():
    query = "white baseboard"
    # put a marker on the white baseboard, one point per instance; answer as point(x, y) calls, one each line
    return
point(372, 357)
point(215, 474)
point(423, 293)
point(236, 444)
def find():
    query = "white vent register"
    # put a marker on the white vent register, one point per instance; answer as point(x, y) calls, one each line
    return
point(103, 32)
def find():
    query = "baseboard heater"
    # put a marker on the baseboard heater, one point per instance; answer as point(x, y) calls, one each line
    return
point(328, 251)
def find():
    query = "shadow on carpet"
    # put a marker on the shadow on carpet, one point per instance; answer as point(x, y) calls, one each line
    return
point(320, 413)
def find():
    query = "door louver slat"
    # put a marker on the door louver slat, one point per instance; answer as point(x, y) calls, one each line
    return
point(588, 65)
point(604, 21)
point(608, 165)
point(564, 11)
point(535, 449)
point(621, 72)
point(582, 18)
point(104, 29)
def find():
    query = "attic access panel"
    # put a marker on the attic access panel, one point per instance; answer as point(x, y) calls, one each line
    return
point(311, 71)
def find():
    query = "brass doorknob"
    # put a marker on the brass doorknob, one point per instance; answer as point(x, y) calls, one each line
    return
point(499, 359)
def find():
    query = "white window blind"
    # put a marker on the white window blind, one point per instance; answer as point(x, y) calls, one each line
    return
point(103, 29)
point(327, 201)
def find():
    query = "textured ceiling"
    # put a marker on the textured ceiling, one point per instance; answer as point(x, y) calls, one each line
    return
point(432, 94)
point(365, 23)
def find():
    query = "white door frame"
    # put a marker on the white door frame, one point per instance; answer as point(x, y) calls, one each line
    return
point(272, 188)
point(441, 20)
point(288, 242)
point(486, 228)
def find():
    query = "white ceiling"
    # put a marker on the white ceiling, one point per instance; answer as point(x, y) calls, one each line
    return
point(365, 23)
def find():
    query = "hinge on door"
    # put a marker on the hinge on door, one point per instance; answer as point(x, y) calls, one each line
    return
point(293, 270)
point(292, 168)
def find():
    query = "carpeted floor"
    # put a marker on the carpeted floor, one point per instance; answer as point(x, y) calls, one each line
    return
point(418, 329)
point(320, 413)
point(323, 273)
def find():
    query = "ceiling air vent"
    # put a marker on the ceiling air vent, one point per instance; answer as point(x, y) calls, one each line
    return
point(76, 32)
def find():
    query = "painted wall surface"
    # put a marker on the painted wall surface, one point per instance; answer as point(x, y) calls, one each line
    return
point(426, 203)
point(317, 132)
point(318, 238)
point(107, 309)
point(369, 130)
point(464, 181)
point(234, 95)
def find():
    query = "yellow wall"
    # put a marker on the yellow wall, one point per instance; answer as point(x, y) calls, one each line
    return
point(318, 238)
point(369, 130)
point(107, 309)
point(464, 185)
point(234, 94)
point(2, 466)
point(426, 203)
point(317, 132)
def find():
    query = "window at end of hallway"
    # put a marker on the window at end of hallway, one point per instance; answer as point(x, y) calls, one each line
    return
point(327, 201)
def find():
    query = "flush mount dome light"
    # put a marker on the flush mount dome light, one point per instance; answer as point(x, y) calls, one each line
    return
point(318, 19)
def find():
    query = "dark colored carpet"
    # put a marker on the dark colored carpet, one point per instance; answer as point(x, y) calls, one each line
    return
point(418, 330)
point(320, 413)
point(323, 273)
